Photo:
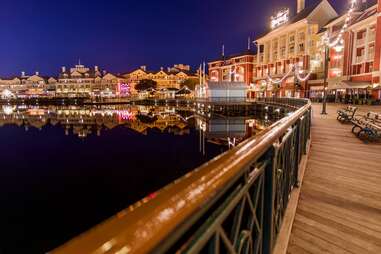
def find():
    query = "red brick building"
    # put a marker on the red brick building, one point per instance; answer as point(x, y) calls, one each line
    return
point(297, 41)
point(235, 68)
point(355, 68)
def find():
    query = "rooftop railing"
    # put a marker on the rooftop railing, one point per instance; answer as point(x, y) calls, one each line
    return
point(232, 204)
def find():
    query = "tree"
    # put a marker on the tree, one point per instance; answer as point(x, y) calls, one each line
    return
point(145, 84)
point(190, 83)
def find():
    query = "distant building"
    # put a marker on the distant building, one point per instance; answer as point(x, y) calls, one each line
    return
point(235, 68)
point(172, 77)
point(26, 86)
point(81, 81)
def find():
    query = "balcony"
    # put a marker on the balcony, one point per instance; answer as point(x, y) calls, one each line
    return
point(370, 57)
point(360, 42)
point(359, 59)
point(372, 36)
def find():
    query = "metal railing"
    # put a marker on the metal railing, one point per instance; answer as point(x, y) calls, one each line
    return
point(232, 204)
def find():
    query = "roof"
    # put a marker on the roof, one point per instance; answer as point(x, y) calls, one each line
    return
point(91, 74)
point(247, 52)
point(361, 13)
point(172, 72)
point(184, 90)
point(366, 14)
point(349, 85)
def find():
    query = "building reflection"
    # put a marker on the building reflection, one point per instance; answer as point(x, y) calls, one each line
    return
point(83, 121)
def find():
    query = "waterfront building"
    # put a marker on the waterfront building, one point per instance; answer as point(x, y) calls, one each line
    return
point(172, 77)
point(293, 41)
point(234, 68)
point(81, 81)
point(26, 85)
point(297, 41)
point(354, 69)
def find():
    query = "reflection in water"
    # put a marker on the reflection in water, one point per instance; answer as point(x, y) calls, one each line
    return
point(55, 186)
point(87, 120)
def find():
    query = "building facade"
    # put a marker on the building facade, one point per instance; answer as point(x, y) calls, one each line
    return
point(355, 68)
point(172, 77)
point(293, 43)
point(235, 68)
point(26, 85)
point(294, 49)
point(81, 81)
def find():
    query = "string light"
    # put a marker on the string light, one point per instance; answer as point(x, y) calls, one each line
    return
point(278, 81)
point(339, 38)
point(297, 71)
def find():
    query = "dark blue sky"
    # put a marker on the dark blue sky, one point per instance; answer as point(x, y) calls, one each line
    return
point(119, 35)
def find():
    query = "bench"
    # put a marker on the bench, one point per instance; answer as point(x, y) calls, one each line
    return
point(347, 114)
point(369, 126)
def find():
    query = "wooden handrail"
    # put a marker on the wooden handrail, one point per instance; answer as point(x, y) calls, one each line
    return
point(153, 225)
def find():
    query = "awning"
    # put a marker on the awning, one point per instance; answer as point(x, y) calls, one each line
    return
point(316, 88)
point(348, 85)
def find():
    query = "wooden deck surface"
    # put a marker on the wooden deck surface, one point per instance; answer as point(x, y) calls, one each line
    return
point(340, 203)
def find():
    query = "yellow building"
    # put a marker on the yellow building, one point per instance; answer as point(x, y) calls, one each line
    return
point(172, 77)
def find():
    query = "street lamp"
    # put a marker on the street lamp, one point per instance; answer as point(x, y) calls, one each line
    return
point(326, 63)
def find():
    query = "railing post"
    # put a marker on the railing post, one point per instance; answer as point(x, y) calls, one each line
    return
point(268, 215)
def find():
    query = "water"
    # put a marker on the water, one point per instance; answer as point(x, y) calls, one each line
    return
point(66, 169)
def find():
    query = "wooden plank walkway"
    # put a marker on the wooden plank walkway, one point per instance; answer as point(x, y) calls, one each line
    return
point(339, 210)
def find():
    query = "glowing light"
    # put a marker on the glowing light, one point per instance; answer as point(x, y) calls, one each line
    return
point(280, 18)
point(8, 110)
point(6, 94)
point(339, 38)
point(124, 89)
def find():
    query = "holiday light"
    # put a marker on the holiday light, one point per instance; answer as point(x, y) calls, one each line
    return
point(297, 71)
point(279, 81)
point(339, 38)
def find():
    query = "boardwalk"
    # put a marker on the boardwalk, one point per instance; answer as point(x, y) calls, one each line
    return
point(340, 204)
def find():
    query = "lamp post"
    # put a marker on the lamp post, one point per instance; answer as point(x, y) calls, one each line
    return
point(326, 63)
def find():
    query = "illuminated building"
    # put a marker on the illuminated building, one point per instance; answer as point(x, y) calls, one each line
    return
point(355, 65)
point(27, 85)
point(235, 68)
point(289, 43)
point(172, 77)
point(81, 81)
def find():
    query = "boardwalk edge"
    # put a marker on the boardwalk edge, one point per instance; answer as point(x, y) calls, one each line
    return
point(281, 244)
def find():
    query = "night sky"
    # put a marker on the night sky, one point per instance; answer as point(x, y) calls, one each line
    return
point(120, 35)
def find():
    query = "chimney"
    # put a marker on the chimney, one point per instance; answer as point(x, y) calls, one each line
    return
point(143, 67)
point(23, 74)
point(96, 68)
point(63, 69)
point(301, 5)
point(104, 72)
point(161, 68)
point(169, 69)
point(37, 73)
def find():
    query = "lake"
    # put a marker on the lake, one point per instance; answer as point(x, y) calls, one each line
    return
point(65, 169)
